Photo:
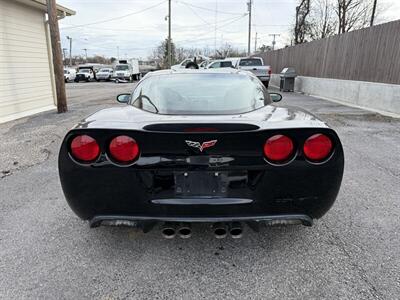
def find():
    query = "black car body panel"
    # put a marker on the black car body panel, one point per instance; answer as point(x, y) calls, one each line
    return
point(229, 181)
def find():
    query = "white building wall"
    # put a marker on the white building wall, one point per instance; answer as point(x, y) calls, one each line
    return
point(26, 85)
point(379, 97)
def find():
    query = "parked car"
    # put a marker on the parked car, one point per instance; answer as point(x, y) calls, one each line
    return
point(188, 63)
point(200, 146)
point(257, 67)
point(69, 74)
point(219, 64)
point(204, 64)
point(192, 63)
point(104, 74)
point(85, 74)
point(147, 66)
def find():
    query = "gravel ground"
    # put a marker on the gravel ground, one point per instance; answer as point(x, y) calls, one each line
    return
point(46, 252)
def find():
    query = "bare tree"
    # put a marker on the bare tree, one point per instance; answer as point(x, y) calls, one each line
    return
point(322, 20)
point(353, 14)
point(373, 13)
point(302, 25)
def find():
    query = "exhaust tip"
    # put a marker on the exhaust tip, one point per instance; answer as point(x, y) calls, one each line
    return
point(168, 231)
point(185, 231)
point(236, 230)
point(220, 230)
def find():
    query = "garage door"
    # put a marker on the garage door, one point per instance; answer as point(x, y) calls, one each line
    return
point(25, 81)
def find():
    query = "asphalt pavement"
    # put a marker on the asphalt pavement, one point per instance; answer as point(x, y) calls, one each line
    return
point(46, 252)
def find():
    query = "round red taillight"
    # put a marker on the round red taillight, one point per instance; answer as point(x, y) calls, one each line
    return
point(84, 148)
point(124, 149)
point(278, 148)
point(317, 147)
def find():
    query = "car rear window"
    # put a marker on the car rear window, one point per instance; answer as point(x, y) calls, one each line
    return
point(200, 94)
point(250, 62)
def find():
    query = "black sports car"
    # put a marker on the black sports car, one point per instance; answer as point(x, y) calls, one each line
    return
point(200, 146)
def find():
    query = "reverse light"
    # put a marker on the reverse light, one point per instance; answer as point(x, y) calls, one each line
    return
point(85, 148)
point(278, 148)
point(124, 149)
point(317, 147)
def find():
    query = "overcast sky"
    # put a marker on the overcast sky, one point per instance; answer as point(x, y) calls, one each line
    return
point(137, 26)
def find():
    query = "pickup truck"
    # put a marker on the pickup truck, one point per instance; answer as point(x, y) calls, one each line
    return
point(256, 66)
point(85, 74)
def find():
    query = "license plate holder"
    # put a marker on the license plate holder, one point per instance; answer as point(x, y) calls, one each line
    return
point(201, 184)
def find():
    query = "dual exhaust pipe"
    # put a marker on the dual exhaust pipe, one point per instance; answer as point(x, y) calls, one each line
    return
point(184, 230)
point(221, 230)
point(169, 230)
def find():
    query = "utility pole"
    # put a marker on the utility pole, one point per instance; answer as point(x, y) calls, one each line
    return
point(373, 13)
point(169, 35)
point(85, 49)
point(57, 57)
point(249, 38)
point(273, 41)
point(70, 50)
point(215, 28)
point(64, 55)
point(255, 43)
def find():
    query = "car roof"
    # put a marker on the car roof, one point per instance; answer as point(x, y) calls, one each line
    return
point(218, 60)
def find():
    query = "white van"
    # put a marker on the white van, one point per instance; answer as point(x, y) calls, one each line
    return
point(69, 74)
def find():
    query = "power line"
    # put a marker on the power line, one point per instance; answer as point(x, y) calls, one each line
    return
point(208, 9)
point(196, 14)
point(144, 28)
point(117, 18)
point(207, 33)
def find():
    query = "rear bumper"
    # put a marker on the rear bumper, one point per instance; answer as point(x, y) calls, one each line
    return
point(271, 220)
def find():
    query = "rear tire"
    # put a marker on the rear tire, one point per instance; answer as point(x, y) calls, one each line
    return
point(266, 83)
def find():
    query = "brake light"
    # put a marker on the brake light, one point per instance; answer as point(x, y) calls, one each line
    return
point(317, 147)
point(85, 148)
point(124, 149)
point(269, 71)
point(278, 148)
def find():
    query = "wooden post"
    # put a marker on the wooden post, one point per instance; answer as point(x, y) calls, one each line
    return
point(57, 56)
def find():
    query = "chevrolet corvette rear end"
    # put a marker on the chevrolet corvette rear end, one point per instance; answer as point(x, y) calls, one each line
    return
point(216, 151)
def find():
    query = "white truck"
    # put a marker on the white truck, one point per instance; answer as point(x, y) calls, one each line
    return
point(104, 74)
point(256, 66)
point(195, 62)
point(85, 73)
point(126, 70)
point(220, 63)
point(69, 74)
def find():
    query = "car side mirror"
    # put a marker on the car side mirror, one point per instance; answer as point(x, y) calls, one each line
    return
point(275, 97)
point(124, 98)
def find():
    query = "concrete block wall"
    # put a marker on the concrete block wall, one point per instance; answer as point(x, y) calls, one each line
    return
point(379, 97)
